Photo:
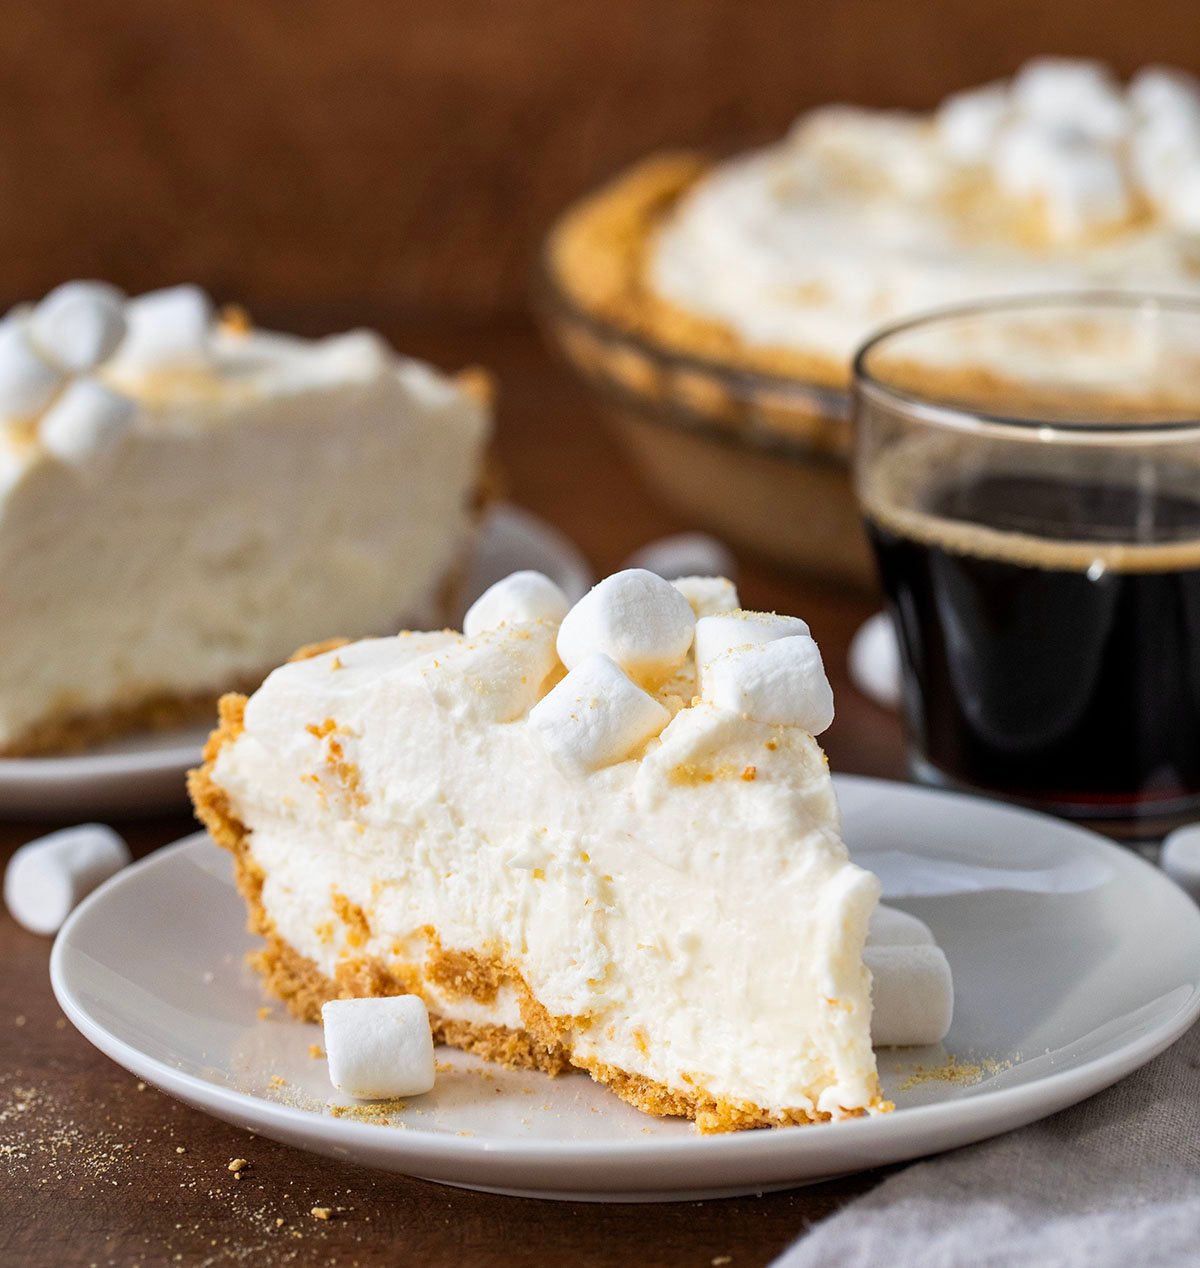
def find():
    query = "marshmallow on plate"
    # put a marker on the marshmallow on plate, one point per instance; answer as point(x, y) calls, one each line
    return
point(521, 596)
point(79, 325)
point(86, 422)
point(781, 682)
point(28, 381)
point(47, 878)
point(1180, 858)
point(634, 617)
point(378, 1048)
point(708, 595)
point(912, 995)
point(891, 927)
point(168, 329)
point(723, 631)
point(969, 122)
point(596, 716)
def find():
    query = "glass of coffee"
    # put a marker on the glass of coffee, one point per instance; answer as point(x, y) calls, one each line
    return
point(1029, 471)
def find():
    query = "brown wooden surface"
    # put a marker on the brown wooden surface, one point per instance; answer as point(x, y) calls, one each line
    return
point(407, 152)
point(94, 1169)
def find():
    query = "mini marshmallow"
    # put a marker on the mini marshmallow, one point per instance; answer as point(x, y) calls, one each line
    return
point(78, 326)
point(522, 596)
point(1086, 188)
point(722, 632)
point(1072, 93)
point(1156, 91)
point(168, 329)
point(781, 682)
point(708, 595)
point(891, 927)
point(1080, 183)
point(874, 660)
point(1179, 199)
point(969, 122)
point(1163, 148)
point(1160, 148)
point(46, 879)
point(635, 617)
point(1180, 858)
point(684, 555)
point(912, 995)
point(28, 381)
point(378, 1048)
point(596, 716)
point(86, 422)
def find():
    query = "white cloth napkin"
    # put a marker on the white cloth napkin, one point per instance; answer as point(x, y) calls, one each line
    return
point(1114, 1181)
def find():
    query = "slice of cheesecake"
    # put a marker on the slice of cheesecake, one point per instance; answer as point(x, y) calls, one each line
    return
point(602, 838)
point(184, 500)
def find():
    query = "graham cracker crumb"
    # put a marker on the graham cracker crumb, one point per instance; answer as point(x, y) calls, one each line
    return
point(321, 1212)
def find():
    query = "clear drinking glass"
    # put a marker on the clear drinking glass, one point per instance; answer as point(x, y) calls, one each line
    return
point(1029, 472)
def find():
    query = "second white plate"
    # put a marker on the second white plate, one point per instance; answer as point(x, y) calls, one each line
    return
point(144, 772)
point(1074, 963)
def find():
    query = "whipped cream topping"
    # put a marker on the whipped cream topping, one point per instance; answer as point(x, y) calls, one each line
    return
point(684, 904)
point(1058, 180)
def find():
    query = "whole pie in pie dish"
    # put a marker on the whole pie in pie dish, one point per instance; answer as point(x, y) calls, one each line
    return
point(722, 301)
point(184, 499)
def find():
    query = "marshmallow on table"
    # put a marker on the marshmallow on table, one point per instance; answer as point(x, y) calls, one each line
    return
point(969, 122)
point(912, 995)
point(874, 660)
point(1180, 858)
point(28, 382)
point(596, 716)
point(522, 596)
point(685, 555)
point(379, 1048)
point(634, 617)
point(79, 325)
point(168, 329)
point(86, 422)
point(49, 877)
point(708, 595)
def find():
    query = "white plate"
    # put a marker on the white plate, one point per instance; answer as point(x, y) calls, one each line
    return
point(143, 773)
point(1075, 962)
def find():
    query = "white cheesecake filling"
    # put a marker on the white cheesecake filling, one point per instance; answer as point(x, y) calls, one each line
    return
point(860, 217)
point(285, 491)
point(691, 911)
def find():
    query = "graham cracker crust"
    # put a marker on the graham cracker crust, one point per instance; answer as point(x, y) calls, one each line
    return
point(544, 1041)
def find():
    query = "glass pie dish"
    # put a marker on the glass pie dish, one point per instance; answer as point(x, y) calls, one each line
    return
point(760, 459)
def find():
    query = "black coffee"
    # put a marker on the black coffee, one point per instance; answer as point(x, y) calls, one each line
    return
point(1047, 668)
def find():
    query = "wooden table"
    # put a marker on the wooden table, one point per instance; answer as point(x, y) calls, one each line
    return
point(96, 1168)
